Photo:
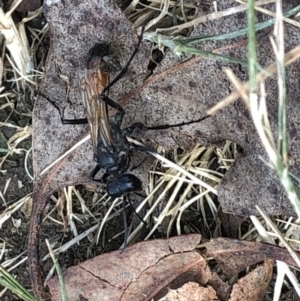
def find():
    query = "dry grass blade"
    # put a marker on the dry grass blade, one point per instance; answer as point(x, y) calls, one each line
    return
point(202, 19)
point(289, 58)
point(7, 214)
point(282, 271)
point(175, 11)
point(20, 135)
point(16, 41)
point(272, 14)
point(59, 272)
point(76, 145)
point(166, 4)
point(280, 236)
point(282, 268)
point(190, 175)
point(178, 168)
point(262, 230)
point(278, 156)
point(115, 203)
point(71, 242)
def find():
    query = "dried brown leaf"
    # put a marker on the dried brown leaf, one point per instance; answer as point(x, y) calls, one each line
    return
point(143, 271)
point(185, 91)
point(234, 255)
point(174, 94)
point(192, 291)
point(75, 28)
point(138, 273)
point(254, 285)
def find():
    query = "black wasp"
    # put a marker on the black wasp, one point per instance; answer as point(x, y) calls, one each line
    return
point(110, 145)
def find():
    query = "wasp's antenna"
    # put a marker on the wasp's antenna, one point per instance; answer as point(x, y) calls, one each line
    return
point(125, 68)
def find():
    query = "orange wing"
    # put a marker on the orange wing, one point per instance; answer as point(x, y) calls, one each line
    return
point(92, 83)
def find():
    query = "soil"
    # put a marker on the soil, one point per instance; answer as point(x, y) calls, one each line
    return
point(19, 186)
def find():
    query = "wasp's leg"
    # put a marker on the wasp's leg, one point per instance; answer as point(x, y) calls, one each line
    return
point(137, 125)
point(61, 109)
point(73, 121)
point(125, 225)
point(112, 103)
point(125, 68)
point(121, 112)
point(94, 173)
point(167, 126)
point(138, 165)
point(133, 209)
point(125, 221)
point(143, 148)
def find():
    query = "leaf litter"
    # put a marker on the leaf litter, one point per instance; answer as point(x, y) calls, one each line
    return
point(186, 136)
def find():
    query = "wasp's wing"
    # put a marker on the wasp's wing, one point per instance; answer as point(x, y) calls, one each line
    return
point(92, 83)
